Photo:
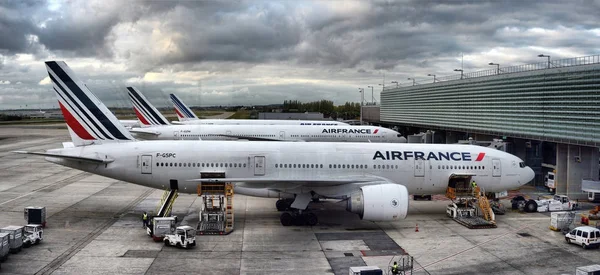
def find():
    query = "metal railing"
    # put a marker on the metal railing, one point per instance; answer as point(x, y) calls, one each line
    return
point(559, 63)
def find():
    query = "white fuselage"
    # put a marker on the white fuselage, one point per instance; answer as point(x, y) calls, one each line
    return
point(260, 122)
point(270, 132)
point(156, 163)
point(130, 123)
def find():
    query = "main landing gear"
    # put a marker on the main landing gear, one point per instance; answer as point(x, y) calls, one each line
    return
point(295, 211)
point(298, 218)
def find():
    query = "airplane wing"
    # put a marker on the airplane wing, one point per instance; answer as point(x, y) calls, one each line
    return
point(251, 138)
point(85, 159)
point(258, 182)
point(143, 131)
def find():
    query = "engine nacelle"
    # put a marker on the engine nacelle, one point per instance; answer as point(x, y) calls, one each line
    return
point(381, 202)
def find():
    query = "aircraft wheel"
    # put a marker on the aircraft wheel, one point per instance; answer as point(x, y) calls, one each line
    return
point(281, 205)
point(300, 220)
point(531, 206)
point(311, 219)
point(286, 219)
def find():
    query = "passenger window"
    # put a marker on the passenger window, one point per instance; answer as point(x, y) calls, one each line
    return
point(312, 166)
point(352, 166)
point(180, 164)
point(275, 165)
point(294, 165)
point(244, 165)
point(579, 233)
point(157, 164)
point(329, 165)
point(212, 164)
point(584, 234)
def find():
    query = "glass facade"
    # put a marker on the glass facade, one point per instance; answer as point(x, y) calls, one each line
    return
point(558, 104)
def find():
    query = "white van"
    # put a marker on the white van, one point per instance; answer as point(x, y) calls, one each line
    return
point(586, 236)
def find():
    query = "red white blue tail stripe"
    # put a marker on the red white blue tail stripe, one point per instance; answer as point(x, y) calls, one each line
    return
point(87, 117)
point(144, 110)
point(183, 111)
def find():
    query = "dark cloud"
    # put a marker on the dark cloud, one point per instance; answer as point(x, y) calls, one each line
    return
point(351, 43)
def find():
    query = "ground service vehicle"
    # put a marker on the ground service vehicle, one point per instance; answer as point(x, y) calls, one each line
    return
point(184, 237)
point(33, 234)
point(16, 237)
point(557, 203)
point(586, 236)
point(161, 226)
point(4, 246)
point(550, 181)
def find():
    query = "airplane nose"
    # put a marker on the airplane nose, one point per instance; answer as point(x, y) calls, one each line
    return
point(527, 175)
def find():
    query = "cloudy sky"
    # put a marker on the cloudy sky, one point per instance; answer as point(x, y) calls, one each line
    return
point(263, 52)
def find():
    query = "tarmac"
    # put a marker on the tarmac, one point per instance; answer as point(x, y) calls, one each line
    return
point(94, 227)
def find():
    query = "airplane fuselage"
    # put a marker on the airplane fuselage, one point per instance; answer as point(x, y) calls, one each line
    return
point(422, 168)
point(271, 132)
point(261, 122)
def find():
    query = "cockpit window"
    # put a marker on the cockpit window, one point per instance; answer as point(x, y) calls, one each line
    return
point(398, 135)
point(522, 164)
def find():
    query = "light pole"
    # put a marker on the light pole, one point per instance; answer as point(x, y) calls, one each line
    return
point(397, 84)
point(371, 90)
point(362, 99)
point(542, 55)
point(461, 72)
point(497, 67)
point(410, 78)
point(433, 77)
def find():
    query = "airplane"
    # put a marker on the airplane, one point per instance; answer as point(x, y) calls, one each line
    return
point(147, 114)
point(375, 179)
point(130, 123)
point(187, 116)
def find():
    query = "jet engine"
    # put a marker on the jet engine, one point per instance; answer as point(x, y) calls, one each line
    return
point(380, 202)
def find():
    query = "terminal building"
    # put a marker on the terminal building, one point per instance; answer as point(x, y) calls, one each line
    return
point(547, 113)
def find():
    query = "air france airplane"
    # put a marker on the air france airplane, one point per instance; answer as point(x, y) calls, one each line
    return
point(147, 113)
point(187, 116)
point(375, 178)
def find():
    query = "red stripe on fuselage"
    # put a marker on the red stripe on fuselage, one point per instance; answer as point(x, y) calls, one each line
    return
point(376, 130)
point(480, 157)
point(140, 117)
point(74, 124)
point(178, 113)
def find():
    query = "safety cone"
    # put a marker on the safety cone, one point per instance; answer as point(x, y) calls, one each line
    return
point(417, 228)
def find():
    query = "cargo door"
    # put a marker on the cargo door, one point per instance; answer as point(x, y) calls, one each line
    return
point(146, 164)
point(496, 168)
point(259, 165)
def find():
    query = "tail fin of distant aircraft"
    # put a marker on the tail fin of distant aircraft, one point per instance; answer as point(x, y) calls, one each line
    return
point(144, 110)
point(88, 119)
point(183, 111)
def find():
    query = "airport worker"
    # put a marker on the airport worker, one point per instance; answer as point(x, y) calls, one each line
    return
point(474, 185)
point(145, 219)
point(395, 268)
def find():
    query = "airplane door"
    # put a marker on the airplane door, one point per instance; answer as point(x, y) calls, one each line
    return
point(419, 168)
point(496, 168)
point(146, 164)
point(259, 165)
point(281, 136)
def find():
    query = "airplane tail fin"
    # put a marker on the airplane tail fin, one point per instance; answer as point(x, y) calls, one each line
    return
point(144, 110)
point(183, 111)
point(88, 119)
